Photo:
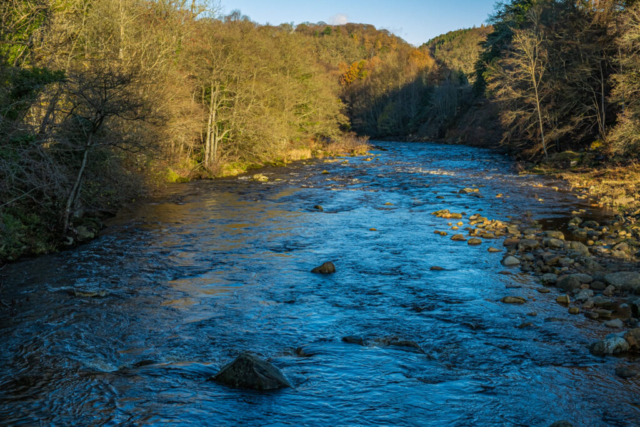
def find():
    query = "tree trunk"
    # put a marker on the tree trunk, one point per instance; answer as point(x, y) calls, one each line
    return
point(75, 191)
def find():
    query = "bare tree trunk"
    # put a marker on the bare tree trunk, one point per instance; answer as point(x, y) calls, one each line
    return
point(544, 144)
point(603, 128)
point(76, 186)
point(207, 143)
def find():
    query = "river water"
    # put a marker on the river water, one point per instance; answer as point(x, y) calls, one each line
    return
point(217, 268)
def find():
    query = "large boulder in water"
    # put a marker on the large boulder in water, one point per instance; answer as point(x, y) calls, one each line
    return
point(326, 268)
point(250, 372)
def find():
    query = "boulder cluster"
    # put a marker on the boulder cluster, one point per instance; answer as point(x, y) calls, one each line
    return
point(593, 268)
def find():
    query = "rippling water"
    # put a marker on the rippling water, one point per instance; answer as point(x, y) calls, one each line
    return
point(217, 268)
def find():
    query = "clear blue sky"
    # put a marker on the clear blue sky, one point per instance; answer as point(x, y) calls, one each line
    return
point(416, 21)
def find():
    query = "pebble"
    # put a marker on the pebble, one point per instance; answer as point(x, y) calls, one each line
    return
point(574, 310)
point(563, 299)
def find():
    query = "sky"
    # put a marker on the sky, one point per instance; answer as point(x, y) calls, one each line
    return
point(416, 21)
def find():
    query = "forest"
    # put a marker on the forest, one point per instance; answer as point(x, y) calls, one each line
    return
point(102, 100)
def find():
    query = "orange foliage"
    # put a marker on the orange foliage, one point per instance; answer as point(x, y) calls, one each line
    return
point(421, 60)
point(356, 71)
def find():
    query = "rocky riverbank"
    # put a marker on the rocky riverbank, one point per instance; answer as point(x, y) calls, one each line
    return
point(592, 269)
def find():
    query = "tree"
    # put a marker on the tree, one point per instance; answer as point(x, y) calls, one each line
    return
point(520, 82)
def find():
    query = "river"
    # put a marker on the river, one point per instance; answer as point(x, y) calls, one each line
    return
point(215, 268)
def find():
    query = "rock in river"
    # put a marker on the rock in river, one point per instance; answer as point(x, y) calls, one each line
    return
point(250, 372)
point(554, 234)
point(326, 268)
point(568, 283)
point(615, 323)
point(624, 280)
point(353, 340)
point(613, 344)
point(510, 261)
point(513, 300)
point(626, 372)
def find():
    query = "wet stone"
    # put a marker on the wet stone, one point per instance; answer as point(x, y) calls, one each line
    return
point(510, 261)
point(353, 340)
point(248, 371)
point(626, 372)
point(615, 324)
point(568, 283)
point(513, 300)
point(326, 268)
point(609, 346)
point(624, 280)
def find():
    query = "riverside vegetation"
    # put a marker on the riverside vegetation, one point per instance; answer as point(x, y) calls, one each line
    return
point(102, 101)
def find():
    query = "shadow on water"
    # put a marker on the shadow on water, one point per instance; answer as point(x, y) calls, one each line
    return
point(127, 330)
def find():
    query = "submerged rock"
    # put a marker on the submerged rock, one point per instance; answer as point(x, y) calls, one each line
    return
point(625, 372)
point(513, 300)
point(250, 372)
point(353, 340)
point(326, 268)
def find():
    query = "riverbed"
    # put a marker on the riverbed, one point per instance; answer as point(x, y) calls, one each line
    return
point(127, 330)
